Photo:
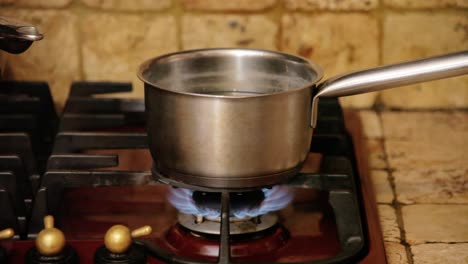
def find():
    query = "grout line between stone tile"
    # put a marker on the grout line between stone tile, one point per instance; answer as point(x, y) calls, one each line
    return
point(419, 110)
point(419, 203)
point(396, 205)
point(75, 9)
point(440, 242)
point(427, 10)
point(178, 16)
point(261, 11)
point(379, 13)
point(277, 12)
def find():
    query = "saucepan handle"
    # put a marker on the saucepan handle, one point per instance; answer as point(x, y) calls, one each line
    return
point(390, 76)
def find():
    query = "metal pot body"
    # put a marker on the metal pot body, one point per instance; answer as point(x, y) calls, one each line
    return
point(220, 125)
point(218, 142)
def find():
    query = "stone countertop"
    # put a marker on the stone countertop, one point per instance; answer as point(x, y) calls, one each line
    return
point(419, 168)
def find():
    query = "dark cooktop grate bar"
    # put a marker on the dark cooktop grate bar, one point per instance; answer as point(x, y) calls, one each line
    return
point(87, 88)
point(104, 105)
point(69, 142)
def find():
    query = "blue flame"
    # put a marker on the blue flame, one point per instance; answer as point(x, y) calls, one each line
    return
point(276, 198)
point(181, 199)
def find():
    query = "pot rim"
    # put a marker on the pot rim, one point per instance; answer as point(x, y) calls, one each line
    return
point(312, 66)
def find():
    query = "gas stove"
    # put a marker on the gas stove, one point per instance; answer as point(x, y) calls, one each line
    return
point(90, 171)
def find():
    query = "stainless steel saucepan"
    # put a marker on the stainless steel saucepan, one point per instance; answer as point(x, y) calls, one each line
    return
point(241, 118)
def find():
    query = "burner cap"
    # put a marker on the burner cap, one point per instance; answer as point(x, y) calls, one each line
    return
point(261, 246)
point(237, 226)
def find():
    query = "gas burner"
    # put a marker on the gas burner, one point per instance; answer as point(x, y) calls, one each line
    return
point(243, 204)
point(237, 226)
point(203, 246)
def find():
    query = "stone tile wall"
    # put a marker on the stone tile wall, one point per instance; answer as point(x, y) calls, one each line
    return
point(107, 39)
point(421, 183)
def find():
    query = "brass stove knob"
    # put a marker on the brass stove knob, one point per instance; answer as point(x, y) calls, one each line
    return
point(50, 241)
point(119, 238)
point(6, 233)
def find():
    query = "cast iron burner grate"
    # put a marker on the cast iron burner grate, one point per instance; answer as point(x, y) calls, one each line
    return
point(28, 124)
point(85, 125)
